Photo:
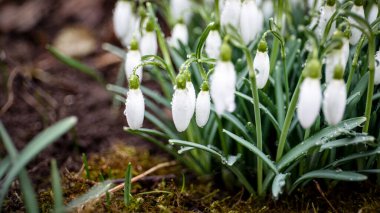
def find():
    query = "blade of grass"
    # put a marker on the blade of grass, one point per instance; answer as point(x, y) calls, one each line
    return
point(128, 185)
point(56, 185)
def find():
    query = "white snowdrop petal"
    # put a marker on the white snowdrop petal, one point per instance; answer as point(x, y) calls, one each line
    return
point(222, 88)
point(133, 59)
point(181, 9)
point(133, 30)
point(326, 13)
point(372, 15)
point(377, 68)
point(230, 13)
point(212, 44)
point(121, 18)
point(309, 102)
point(261, 64)
point(192, 98)
point(267, 8)
point(251, 21)
point(334, 102)
point(334, 58)
point(148, 44)
point(203, 106)
point(180, 109)
point(134, 108)
point(179, 33)
point(356, 33)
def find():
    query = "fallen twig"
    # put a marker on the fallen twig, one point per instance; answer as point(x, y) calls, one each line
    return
point(324, 196)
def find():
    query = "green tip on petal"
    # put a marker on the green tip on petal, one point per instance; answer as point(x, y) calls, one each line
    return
point(142, 12)
point(313, 69)
point(181, 81)
point(225, 52)
point(134, 82)
point(359, 2)
point(338, 72)
point(330, 3)
point(263, 46)
point(134, 44)
point(150, 25)
point(205, 87)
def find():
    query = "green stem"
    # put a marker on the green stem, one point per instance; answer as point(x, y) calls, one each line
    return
point(288, 120)
point(371, 83)
point(221, 135)
point(255, 96)
point(354, 64)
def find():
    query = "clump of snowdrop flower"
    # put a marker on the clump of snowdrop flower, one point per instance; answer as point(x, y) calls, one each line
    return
point(134, 104)
point(358, 10)
point(230, 13)
point(261, 64)
point(179, 34)
point(181, 104)
point(181, 9)
point(310, 97)
point(337, 56)
point(223, 82)
point(327, 12)
point(203, 105)
point(251, 21)
point(133, 59)
point(148, 42)
point(335, 97)
point(212, 44)
point(377, 68)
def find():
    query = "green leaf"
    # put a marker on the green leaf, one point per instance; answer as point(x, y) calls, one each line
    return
point(71, 62)
point(253, 149)
point(30, 201)
point(8, 144)
point(236, 122)
point(278, 185)
point(94, 193)
point(114, 50)
point(353, 157)
point(160, 125)
point(4, 166)
point(330, 174)
point(155, 96)
point(34, 147)
point(147, 131)
point(57, 190)
point(117, 89)
point(347, 142)
point(128, 185)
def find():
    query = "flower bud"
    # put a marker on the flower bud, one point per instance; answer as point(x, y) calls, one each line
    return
point(181, 105)
point(223, 82)
point(377, 68)
point(203, 107)
point(213, 44)
point(231, 13)
point(251, 21)
point(335, 97)
point(148, 42)
point(356, 33)
point(336, 57)
point(121, 18)
point(261, 64)
point(327, 12)
point(134, 108)
point(179, 34)
point(133, 59)
point(309, 102)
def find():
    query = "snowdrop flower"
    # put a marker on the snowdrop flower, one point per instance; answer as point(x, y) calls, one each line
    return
point(335, 97)
point(181, 9)
point(377, 68)
point(338, 56)
point(148, 42)
point(251, 20)
point(133, 59)
point(326, 13)
point(181, 104)
point(179, 34)
point(358, 10)
point(203, 106)
point(372, 15)
point(213, 43)
point(267, 8)
point(121, 18)
point(231, 13)
point(134, 105)
point(223, 82)
point(310, 97)
point(261, 64)
point(192, 97)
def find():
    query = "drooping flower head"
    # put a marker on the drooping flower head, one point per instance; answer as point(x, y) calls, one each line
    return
point(179, 34)
point(181, 104)
point(230, 14)
point(133, 59)
point(377, 68)
point(213, 43)
point(310, 97)
point(181, 9)
point(327, 12)
point(337, 56)
point(134, 105)
point(358, 10)
point(335, 97)
point(223, 82)
point(261, 64)
point(122, 18)
point(203, 105)
point(251, 21)
point(148, 42)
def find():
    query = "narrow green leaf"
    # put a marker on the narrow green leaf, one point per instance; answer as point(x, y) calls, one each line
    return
point(155, 96)
point(57, 190)
point(35, 146)
point(94, 193)
point(160, 125)
point(347, 142)
point(353, 157)
point(253, 149)
point(4, 166)
point(128, 185)
point(114, 50)
point(239, 125)
point(84, 160)
point(8, 144)
point(147, 131)
point(28, 194)
point(71, 62)
point(117, 89)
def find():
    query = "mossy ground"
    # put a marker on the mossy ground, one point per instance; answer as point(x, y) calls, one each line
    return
point(169, 190)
